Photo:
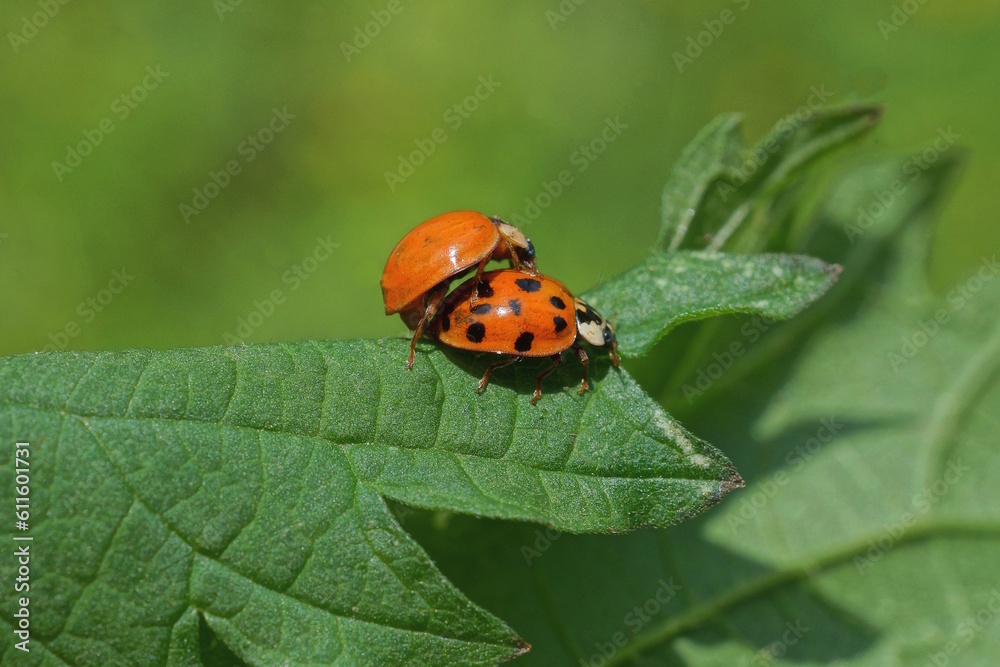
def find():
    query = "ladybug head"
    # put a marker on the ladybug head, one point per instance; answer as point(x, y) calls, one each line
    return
point(596, 330)
point(528, 254)
point(521, 247)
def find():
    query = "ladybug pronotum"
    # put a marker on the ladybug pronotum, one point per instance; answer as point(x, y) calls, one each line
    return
point(422, 266)
point(522, 315)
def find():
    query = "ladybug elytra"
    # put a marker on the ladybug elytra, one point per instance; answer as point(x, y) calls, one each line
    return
point(523, 315)
point(422, 266)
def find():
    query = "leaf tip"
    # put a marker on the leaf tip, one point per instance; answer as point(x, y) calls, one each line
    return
point(867, 114)
point(521, 647)
point(731, 483)
point(875, 114)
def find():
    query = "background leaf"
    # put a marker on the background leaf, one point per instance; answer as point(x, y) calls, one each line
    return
point(676, 287)
point(848, 526)
point(719, 187)
point(832, 224)
point(714, 149)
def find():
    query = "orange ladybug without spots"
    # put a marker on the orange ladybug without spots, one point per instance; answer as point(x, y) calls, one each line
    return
point(421, 266)
point(523, 315)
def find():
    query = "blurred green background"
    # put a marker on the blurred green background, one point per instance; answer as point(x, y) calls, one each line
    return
point(352, 111)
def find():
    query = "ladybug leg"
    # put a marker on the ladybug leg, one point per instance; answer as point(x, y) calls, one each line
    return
point(514, 260)
point(475, 283)
point(581, 354)
point(434, 299)
point(522, 266)
point(556, 360)
point(489, 369)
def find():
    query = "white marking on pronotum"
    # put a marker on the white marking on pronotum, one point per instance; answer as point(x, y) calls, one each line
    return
point(591, 331)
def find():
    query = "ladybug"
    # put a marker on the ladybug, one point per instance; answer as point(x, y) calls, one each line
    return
point(421, 266)
point(523, 315)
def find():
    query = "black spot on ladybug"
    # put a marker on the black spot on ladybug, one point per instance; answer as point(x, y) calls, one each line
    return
point(481, 309)
point(523, 342)
point(476, 332)
point(445, 323)
point(483, 289)
point(560, 323)
point(515, 306)
point(609, 335)
point(557, 302)
point(528, 284)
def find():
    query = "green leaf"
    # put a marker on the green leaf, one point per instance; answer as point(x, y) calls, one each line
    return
point(719, 188)
point(675, 287)
point(165, 484)
point(909, 391)
point(710, 153)
point(244, 484)
point(840, 230)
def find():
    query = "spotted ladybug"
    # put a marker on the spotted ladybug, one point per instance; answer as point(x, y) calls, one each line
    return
point(522, 315)
point(422, 266)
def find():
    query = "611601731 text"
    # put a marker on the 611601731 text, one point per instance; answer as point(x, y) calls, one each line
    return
point(22, 547)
